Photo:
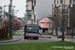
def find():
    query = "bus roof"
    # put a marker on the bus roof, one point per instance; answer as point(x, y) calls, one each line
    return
point(32, 25)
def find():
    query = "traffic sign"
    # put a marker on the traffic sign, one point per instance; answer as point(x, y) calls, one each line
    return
point(58, 29)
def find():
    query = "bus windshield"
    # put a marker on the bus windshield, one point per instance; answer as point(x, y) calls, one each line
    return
point(32, 29)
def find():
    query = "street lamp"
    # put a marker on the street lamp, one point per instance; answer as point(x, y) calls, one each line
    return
point(14, 12)
point(52, 19)
point(63, 7)
point(10, 17)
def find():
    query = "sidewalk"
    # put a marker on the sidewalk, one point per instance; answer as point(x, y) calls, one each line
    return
point(15, 38)
point(55, 38)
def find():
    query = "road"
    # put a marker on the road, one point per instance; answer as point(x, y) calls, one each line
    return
point(31, 40)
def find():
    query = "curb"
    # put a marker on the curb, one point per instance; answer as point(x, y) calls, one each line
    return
point(9, 41)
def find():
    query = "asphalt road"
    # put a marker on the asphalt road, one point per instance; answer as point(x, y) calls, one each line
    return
point(30, 40)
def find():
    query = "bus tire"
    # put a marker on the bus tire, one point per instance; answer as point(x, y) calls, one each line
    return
point(25, 38)
point(36, 38)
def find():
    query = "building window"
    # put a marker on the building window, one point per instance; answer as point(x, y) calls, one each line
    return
point(31, 21)
point(55, 5)
point(54, 1)
point(34, 2)
point(69, 5)
point(65, 10)
point(57, 1)
point(56, 10)
point(52, 6)
point(29, 17)
point(73, 5)
point(73, 1)
point(33, 11)
point(0, 9)
point(32, 7)
point(70, 1)
point(42, 22)
point(34, 21)
point(29, 12)
point(61, 1)
point(34, 16)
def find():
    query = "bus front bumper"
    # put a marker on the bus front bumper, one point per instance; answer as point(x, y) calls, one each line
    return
point(32, 36)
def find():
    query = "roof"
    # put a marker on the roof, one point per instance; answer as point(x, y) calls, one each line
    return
point(46, 17)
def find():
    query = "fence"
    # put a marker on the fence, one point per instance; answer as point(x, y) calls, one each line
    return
point(3, 32)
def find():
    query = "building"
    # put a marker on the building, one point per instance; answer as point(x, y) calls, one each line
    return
point(72, 18)
point(37, 9)
point(1, 15)
point(68, 3)
point(31, 11)
point(46, 24)
point(1, 12)
point(57, 9)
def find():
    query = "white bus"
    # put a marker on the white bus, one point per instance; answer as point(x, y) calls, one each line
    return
point(31, 31)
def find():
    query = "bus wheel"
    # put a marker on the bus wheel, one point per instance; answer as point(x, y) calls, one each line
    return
point(25, 38)
point(36, 38)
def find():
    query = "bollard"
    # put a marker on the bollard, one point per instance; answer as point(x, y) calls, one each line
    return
point(40, 34)
point(12, 34)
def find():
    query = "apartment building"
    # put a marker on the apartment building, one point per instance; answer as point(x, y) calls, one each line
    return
point(31, 11)
point(58, 4)
point(1, 15)
point(57, 8)
point(68, 3)
point(1, 12)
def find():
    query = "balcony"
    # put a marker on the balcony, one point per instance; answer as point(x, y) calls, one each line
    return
point(1, 14)
point(28, 14)
point(30, 0)
point(26, 5)
point(28, 17)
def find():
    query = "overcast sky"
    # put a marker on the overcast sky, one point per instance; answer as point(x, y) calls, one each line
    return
point(20, 5)
point(44, 8)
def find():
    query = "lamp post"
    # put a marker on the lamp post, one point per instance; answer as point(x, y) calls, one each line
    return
point(63, 7)
point(52, 19)
point(14, 12)
point(10, 19)
point(68, 21)
point(11, 12)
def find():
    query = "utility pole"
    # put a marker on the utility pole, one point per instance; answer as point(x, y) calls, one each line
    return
point(68, 17)
point(63, 7)
point(52, 19)
point(10, 19)
point(68, 21)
